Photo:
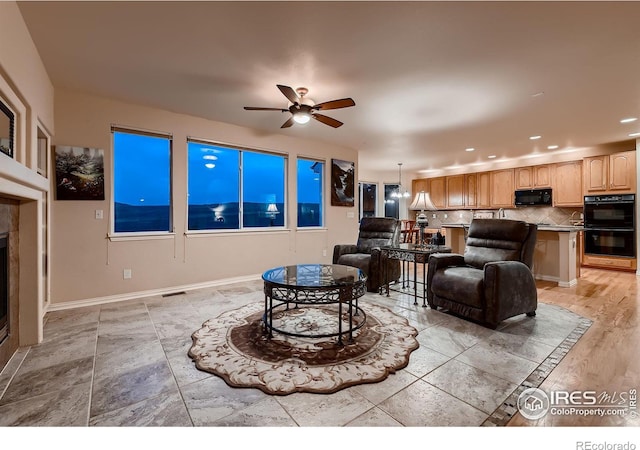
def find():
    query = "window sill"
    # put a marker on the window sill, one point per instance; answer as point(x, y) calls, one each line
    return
point(244, 232)
point(312, 229)
point(119, 237)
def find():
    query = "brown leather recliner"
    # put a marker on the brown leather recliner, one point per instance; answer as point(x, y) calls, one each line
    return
point(492, 281)
point(375, 232)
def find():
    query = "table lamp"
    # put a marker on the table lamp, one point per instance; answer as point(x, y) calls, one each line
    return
point(422, 202)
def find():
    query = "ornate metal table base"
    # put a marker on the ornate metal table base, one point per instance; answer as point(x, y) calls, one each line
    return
point(416, 254)
point(314, 284)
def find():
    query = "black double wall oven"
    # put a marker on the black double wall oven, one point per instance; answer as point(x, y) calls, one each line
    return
point(609, 222)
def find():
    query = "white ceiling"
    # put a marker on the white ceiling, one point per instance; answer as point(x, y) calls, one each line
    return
point(429, 78)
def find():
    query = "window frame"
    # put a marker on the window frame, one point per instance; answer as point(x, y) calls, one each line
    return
point(140, 235)
point(241, 150)
point(323, 205)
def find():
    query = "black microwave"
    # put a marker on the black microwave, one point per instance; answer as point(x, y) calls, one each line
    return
point(533, 197)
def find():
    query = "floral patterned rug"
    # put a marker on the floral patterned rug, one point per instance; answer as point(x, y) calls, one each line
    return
point(234, 347)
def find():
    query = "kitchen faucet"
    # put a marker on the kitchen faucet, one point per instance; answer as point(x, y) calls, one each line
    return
point(501, 214)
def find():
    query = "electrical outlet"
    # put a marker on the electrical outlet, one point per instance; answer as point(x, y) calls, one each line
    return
point(99, 214)
point(324, 252)
point(351, 215)
point(126, 274)
point(446, 216)
point(434, 215)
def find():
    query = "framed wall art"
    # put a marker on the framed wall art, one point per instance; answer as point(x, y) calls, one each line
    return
point(79, 173)
point(342, 183)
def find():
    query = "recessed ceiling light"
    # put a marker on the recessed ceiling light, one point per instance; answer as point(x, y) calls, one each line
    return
point(491, 156)
point(552, 147)
point(634, 134)
point(629, 119)
point(470, 149)
point(533, 138)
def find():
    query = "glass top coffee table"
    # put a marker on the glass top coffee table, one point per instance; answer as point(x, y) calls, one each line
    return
point(331, 286)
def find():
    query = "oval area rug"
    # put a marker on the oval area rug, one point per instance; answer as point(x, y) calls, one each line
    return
point(234, 347)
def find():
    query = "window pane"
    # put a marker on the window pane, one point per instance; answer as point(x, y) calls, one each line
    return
point(142, 183)
point(391, 207)
point(262, 190)
point(214, 187)
point(310, 176)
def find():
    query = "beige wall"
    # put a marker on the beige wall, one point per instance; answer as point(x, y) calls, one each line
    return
point(87, 266)
point(25, 86)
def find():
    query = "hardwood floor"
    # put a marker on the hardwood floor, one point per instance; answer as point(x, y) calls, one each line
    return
point(606, 358)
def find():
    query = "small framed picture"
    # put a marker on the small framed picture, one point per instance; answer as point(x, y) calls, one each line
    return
point(342, 183)
point(79, 173)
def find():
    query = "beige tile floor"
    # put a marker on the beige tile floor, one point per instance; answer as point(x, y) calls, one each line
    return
point(126, 364)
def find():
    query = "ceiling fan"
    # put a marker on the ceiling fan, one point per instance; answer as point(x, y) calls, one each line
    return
point(303, 110)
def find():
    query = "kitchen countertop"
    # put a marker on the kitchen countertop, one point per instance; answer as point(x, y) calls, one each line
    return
point(541, 227)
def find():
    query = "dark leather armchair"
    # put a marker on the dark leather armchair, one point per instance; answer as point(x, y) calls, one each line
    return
point(492, 281)
point(375, 232)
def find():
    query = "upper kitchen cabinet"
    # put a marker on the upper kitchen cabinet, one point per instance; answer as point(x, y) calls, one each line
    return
point(438, 192)
point(533, 177)
point(502, 188)
point(419, 185)
point(567, 186)
point(483, 190)
point(455, 191)
point(471, 190)
point(615, 173)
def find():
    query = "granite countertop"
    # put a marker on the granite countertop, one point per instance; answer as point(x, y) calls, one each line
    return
point(541, 227)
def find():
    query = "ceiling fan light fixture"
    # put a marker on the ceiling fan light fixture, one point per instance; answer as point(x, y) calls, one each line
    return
point(301, 117)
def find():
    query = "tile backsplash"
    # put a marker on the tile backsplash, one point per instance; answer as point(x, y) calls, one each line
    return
point(532, 214)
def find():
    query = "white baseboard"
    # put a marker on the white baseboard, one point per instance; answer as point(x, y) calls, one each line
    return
point(136, 295)
point(570, 283)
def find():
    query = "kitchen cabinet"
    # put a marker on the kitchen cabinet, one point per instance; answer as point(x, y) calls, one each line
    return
point(437, 192)
point(533, 177)
point(419, 185)
point(615, 173)
point(471, 190)
point(484, 190)
point(567, 185)
point(455, 191)
point(502, 188)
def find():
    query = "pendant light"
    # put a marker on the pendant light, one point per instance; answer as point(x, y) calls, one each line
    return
point(400, 192)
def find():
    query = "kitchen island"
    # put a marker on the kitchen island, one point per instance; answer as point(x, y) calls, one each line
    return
point(556, 257)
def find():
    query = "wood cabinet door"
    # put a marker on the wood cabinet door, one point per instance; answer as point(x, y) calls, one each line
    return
point(437, 192)
point(622, 172)
point(542, 176)
point(595, 171)
point(502, 187)
point(567, 188)
point(524, 177)
point(484, 190)
point(470, 190)
point(455, 191)
point(419, 185)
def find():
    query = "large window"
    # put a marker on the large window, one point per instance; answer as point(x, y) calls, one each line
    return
point(310, 176)
point(141, 181)
point(233, 188)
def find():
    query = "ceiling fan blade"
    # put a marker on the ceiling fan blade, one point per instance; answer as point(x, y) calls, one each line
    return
point(327, 120)
point(335, 104)
point(288, 123)
point(289, 93)
point(257, 108)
